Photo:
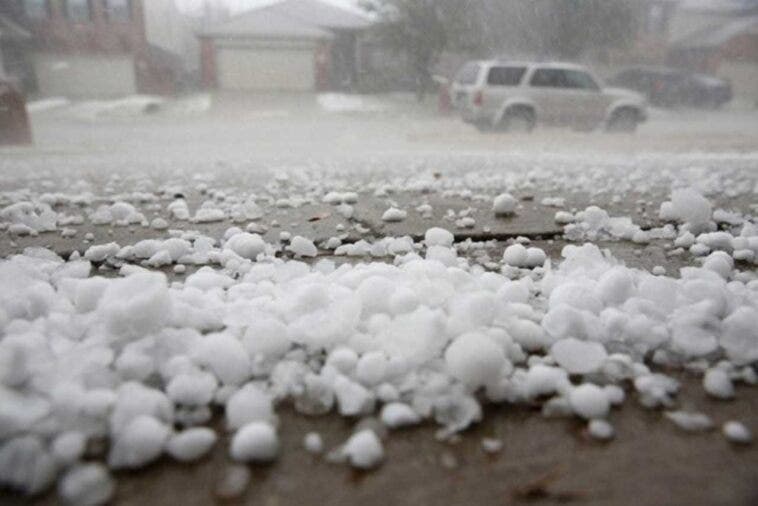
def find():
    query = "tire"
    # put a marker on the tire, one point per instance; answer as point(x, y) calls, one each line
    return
point(519, 120)
point(623, 121)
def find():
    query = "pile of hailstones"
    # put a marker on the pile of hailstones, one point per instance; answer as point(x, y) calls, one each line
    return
point(125, 370)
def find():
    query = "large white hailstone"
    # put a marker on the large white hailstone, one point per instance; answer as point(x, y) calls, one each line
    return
point(68, 447)
point(134, 399)
point(739, 335)
point(255, 442)
point(343, 359)
point(535, 257)
point(736, 432)
point(137, 305)
point(717, 383)
point(267, 338)
point(578, 357)
point(25, 466)
point(545, 380)
point(475, 359)
point(504, 204)
point(363, 450)
point(371, 368)
point(225, 356)
point(691, 207)
point(589, 401)
point(615, 286)
point(515, 255)
point(191, 444)
point(139, 443)
point(394, 214)
point(249, 404)
point(194, 388)
point(396, 414)
point(86, 485)
point(352, 397)
point(438, 237)
point(690, 422)
point(302, 247)
point(246, 245)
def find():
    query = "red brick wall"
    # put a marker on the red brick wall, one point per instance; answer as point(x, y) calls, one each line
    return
point(98, 34)
point(741, 48)
point(208, 63)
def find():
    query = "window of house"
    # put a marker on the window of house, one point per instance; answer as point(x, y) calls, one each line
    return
point(78, 10)
point(505, 76)
point(118, 10)
point(549, 78)
point(37, 9)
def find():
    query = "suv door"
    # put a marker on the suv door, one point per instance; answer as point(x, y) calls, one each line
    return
point(499, 85)
point(547, 87)
point(585, 101)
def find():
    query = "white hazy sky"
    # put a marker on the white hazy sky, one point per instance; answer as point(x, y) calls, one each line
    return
point(241, 5)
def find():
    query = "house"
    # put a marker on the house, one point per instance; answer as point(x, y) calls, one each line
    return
point(291, 45)
point(97, 48)
point(14, 41)
point(718, 37)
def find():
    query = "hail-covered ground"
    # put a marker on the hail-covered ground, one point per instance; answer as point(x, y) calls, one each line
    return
point(155, 311)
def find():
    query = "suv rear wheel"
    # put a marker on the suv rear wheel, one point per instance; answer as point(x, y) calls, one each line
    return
point(624, 120)
point(518, 119)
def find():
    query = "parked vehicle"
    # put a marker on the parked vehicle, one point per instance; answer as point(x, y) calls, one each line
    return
point(520, 95)
point(668, 87)
point(14, 121)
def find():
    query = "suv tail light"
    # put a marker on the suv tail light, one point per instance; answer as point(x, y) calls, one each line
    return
point(478, 98)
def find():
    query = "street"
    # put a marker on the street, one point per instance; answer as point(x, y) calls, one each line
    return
point(286, 155)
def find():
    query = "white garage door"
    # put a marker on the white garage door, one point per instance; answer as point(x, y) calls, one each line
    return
point(85, 76)
point(271, 69)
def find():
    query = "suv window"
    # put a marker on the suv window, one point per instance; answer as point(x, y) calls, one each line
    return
point(505, 76)
point(468, 74)
point(549, 78)
point(579, 80)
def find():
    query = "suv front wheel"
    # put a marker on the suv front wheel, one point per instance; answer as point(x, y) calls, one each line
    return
point(517, 119)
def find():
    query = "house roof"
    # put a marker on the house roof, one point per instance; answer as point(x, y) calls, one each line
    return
point(718, 34)
point(10, 30)
point(299, 19)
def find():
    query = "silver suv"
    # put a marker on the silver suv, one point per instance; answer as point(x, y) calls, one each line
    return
point(516, 96)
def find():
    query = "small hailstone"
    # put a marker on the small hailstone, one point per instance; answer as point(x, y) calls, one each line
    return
point(659, 270)
point(313, 443)
point(234, 482)
point(363, 450)
point(690, 422)
point(191, 444)
point(717, 383)
point(159, 224)
point(302, 247)
point(255, 442)
point(601, 429)
point(504, 204)
point(492, 445)
point(394, 214)
point(589, 401)
point(736, 432)
point(180, 269)
point(86, 485)
point(396, 414)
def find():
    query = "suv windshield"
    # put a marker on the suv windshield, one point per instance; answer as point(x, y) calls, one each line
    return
point(468, 74)
point(505, 76)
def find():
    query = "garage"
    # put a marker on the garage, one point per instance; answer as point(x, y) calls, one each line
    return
point(256, 67)
point(86, 75)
